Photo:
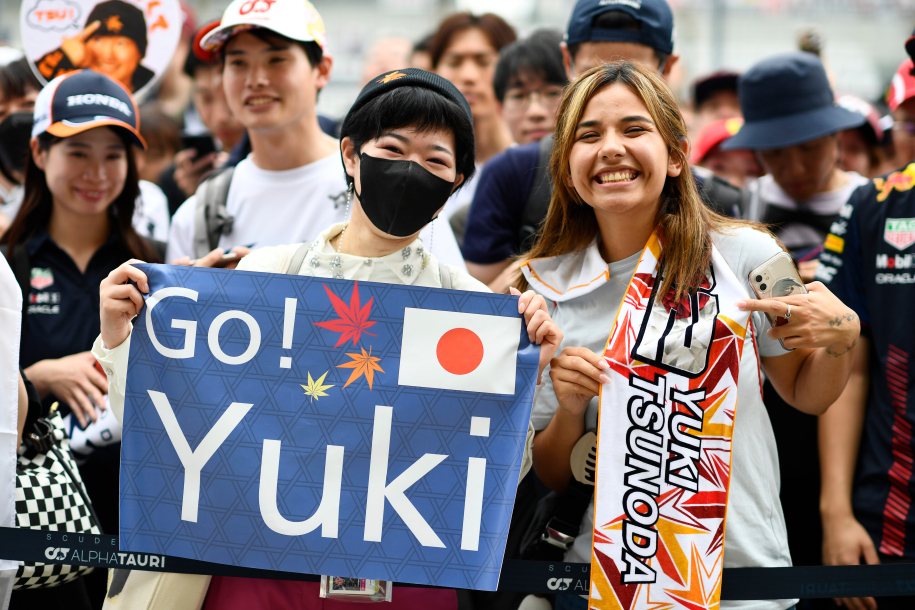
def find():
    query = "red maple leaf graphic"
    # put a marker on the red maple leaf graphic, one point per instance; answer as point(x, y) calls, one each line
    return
point(354, 319)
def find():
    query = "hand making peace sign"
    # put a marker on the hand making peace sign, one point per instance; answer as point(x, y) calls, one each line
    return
point(75, 47)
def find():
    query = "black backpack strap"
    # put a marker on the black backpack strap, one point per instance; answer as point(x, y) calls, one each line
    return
point(718, 194)
point(211, 216)
point(295, 265)
point(538, 200)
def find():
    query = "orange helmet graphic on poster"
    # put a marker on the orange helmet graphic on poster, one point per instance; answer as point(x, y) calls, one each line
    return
point(130, 41)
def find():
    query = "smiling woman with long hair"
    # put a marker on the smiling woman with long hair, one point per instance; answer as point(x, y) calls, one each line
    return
point(624, 200)
point(73, 228)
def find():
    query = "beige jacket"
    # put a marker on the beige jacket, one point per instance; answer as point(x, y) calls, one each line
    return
point(413, 266)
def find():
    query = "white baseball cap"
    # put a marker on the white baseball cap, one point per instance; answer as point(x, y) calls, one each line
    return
point(294, 19)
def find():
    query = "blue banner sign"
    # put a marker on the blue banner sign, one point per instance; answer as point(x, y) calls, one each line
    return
point(325, 426)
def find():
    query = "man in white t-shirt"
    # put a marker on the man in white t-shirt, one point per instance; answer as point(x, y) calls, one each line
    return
point(792, 123)
point(292, 186)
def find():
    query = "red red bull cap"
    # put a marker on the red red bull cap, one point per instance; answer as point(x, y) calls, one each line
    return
point(902, 86)
point(711, 136)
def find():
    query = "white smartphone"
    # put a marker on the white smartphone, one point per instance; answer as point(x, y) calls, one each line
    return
point(777, 277)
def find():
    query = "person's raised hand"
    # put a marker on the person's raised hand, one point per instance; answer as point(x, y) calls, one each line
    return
point(73, 380)
point(189, 170)
point(818, 319)
point(808, 270)
point(75, 47)
point(120, 302)
point(846, 542)
point(541, 329)
point(577, 375)
point(215, 258)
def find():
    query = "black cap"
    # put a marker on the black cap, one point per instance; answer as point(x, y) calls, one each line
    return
point(117, 18)
point(409, 77)
point(786, 100)
point(719, 81)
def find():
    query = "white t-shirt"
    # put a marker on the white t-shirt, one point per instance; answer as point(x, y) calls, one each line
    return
point(798, 234)
point(755, 534)
point(291, 206)
point(150, 216)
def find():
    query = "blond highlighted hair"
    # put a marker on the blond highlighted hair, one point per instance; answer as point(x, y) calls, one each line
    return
point(684, 221)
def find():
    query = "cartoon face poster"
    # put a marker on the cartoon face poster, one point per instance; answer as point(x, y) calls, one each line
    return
point(131, 41)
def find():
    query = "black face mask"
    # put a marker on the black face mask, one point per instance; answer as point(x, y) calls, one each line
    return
point(400, 197)
point(15, 133)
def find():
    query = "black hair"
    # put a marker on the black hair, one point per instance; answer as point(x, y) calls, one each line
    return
point(16, 78)
point(161, 132)
point(38, 203)
point(618, 20)
point(417, 107)
point(537, 55)
point(422, 45)
point(312, 49)
point(192, 62)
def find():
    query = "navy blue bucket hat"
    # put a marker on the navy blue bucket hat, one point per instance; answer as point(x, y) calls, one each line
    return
point(786, 100)
point(654, 16)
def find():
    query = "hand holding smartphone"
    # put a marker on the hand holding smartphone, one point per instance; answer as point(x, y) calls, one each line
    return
point(777, 277)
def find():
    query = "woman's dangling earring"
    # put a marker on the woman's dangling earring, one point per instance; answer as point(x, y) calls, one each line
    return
point(349, 200)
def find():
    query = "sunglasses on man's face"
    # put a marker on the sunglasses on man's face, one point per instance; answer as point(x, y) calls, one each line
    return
point(906, 126)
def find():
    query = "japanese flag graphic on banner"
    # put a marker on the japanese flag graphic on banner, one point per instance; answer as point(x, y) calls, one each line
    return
point(459, 351)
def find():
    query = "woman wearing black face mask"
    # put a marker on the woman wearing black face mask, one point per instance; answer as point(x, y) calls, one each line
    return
point(407, 144)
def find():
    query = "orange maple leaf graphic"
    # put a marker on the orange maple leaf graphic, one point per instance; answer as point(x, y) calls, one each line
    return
point(354, 318)
point(362, 364)
point(113, 24)
point(392, 76)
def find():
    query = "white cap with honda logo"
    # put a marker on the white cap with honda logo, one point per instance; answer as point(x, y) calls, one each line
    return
point(294, 19)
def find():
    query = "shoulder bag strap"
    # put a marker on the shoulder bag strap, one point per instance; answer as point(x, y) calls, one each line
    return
point(211, 216)
point(295, 265)
point(445, 275)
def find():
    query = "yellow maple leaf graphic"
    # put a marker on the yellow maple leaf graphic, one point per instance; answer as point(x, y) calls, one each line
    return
point(362, 364)
point(315, 389)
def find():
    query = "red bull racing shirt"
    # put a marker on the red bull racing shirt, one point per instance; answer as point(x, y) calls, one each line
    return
point(869, 263)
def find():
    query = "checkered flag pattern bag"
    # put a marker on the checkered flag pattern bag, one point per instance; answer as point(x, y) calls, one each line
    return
point(48, 497)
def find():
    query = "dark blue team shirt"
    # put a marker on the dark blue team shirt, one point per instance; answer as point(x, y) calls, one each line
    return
point(62, 309)
point(869, 263)
point(495, 214)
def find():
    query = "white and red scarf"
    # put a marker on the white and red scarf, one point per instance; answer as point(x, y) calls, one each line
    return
point(664, 438)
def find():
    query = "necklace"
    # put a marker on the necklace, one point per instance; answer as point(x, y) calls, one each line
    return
point(618, 281)
point(349, 199)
